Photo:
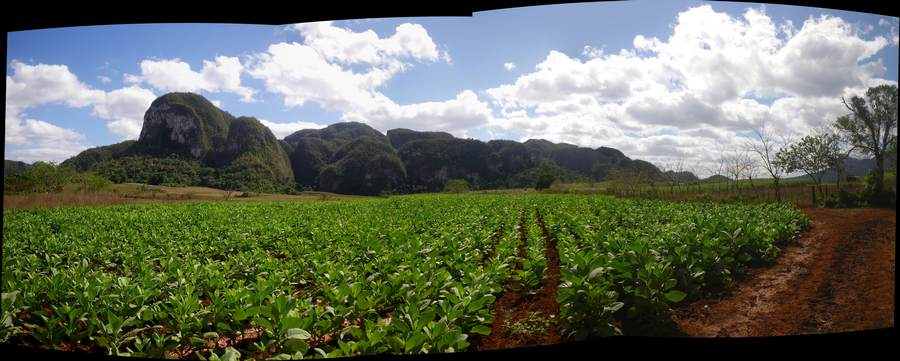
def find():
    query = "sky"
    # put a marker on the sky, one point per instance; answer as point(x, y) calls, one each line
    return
point(658, 80)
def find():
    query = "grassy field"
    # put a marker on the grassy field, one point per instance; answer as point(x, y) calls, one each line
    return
point(133, 193)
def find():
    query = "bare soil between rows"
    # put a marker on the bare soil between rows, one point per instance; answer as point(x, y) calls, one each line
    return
point(515, 306)
point(838, 277)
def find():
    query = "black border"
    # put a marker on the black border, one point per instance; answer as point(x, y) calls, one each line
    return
point(39, 15)
point(858, 345)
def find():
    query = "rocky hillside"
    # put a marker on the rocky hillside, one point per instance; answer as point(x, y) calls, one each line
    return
point(186, 140)
point(192, 142)
point(408, 161)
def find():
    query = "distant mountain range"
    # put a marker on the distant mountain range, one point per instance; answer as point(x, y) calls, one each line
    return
point(186, 140)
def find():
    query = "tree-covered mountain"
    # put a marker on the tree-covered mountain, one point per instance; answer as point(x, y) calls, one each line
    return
point(12, 167)
point(186, 140)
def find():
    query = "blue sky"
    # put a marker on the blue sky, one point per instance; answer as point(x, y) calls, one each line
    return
point(453, 76)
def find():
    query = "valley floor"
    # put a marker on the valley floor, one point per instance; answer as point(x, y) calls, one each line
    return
point(838, 277)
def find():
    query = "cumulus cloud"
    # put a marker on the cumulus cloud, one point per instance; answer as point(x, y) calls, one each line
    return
point(35, 85)
point(409, 41)
point(591, 52)
point(40, 140)
point(715, 77)
point(125, 109)
point(509, 66)
point(344, 71)
point(456, 116)
point(170, 75)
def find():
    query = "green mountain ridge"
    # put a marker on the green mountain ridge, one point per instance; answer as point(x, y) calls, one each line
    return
point(186, 140)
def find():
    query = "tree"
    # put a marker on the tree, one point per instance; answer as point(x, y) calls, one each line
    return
point(544, 180)
point(672, 171)
point(736, 164)
point(765, 146)
point(456, 186)
point(871, 127)
point(813, 154)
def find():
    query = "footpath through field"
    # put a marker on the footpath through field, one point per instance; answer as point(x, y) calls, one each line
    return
point(838, 277)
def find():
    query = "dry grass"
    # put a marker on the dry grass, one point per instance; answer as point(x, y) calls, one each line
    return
point(132, 193)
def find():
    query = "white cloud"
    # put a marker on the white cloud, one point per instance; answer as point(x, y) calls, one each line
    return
point(894, 23)
point(591, 52)
point(281, 130)
point(125, 109)
point(343, 71)
point(35, 85)
point(713, 78)
point(104, 79)
point(342, 45)
point(40, 140)
point(170, 75)
point(218, 103)
point(456, 116)
point(509, 66)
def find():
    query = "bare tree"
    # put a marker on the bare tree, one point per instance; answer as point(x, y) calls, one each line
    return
point(750, 168)
point(765, 145)
point(736, 165)
point(671, 171)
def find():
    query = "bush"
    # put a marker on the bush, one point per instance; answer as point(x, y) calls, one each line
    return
point(457, 186)
point(544, 181)
point(41, 178)
point(885, 199)
point(844, 199)
point(91, 182)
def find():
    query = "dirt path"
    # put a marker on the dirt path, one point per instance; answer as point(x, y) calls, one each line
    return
point(523, 319)
point(838, 277)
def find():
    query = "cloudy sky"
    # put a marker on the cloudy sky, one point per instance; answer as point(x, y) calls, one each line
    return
point(657, 80)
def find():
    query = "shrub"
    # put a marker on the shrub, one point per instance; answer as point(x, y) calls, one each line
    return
point(844, 199)
point(457, 186)
point(544, 181)
point(41, 178)
point(91, 182)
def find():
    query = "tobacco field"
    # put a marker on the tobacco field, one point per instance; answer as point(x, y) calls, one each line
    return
point(408, 274)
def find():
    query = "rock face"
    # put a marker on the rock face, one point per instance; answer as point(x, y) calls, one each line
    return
point(184, 124)
point(239, 153)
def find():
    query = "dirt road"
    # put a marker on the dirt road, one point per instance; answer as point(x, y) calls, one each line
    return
point(838, 277)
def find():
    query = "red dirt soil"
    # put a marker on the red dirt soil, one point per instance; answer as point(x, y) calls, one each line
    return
point(838, 277)
point(516, 306)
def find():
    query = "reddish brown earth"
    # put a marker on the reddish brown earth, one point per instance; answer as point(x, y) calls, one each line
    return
point(838, 277)
point(515, 306)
